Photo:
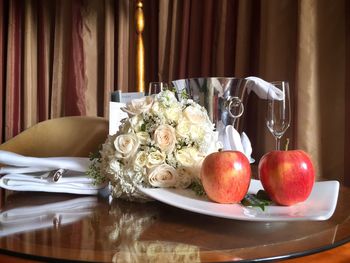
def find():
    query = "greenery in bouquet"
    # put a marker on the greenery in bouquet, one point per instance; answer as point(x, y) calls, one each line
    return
point(161, 144)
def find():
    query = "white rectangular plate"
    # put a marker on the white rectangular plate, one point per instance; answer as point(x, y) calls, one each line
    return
point(319, 206)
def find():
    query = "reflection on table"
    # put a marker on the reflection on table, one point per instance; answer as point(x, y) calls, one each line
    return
point(99, 229)
point(22, 215)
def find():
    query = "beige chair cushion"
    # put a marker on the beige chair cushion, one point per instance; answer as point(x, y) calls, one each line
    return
point(67, 136)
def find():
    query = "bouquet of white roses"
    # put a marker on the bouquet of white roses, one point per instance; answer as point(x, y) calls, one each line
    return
point(161, 144)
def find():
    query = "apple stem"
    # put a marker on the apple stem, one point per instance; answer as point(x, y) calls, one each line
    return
point(287, 144)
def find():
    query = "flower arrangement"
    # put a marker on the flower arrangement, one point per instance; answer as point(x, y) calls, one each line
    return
point(161, 144)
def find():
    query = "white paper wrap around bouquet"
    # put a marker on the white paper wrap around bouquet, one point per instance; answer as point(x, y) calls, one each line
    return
point(24, 173)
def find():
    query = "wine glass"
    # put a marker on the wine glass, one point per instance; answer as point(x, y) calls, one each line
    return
point(156, 87)
point(278, 110)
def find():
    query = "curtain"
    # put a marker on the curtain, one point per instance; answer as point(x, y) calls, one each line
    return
point(2, 71)
point(61, 58)
point(321, 84)
point(347, 96)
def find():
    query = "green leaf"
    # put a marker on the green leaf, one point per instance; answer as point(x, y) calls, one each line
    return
point(197, 187)
point(260, 199)
point(95, 155)
point(262, 195)
point(143, 127)
point(184, 94)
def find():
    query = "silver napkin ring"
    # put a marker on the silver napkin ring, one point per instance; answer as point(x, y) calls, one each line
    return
point(57, 174)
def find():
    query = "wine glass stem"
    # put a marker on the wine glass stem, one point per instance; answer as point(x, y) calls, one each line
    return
point(278, 143)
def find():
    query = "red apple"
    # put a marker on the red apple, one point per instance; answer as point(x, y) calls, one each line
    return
point(225, 176)
point(287, 176)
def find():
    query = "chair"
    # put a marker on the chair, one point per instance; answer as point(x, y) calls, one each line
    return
point(67, 136)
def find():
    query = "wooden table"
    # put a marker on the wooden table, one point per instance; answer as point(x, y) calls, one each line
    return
point(62, 227)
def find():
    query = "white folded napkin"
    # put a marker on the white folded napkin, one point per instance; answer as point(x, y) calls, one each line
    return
point(263, 89)
point(52, 174)
point(23, 170)
point(71, 182)
point(21, 219)
point(69, 163)
point(231, 140)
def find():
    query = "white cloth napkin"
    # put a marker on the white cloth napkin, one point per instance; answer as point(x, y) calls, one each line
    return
point(69, 163)
point(233, 141)
point(20, 219)
point(71, 182)
point(36, 174)
point(263, 89)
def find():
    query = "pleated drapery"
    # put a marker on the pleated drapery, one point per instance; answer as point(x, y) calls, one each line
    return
point(61, 58)
point(320, 84)
point(2, 71)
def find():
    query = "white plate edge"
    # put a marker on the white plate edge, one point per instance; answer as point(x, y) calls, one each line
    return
point(246, 218)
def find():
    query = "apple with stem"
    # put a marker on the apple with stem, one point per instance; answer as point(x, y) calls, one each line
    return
point(287, 176)
point(226, 176)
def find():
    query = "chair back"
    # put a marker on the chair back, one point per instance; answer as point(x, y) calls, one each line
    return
point(67, 136)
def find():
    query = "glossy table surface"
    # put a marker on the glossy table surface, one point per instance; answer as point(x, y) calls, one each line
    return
point(43, 226)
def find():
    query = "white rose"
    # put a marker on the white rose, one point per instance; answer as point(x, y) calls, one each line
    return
point(188, 157)
point(143, 137)
point(210, 143)
point(165, 138)
point(183, 128)
point(155, 158)
point(163, 176)
point(185, 178)
point(141, 159)
point(195, 114)
point(138, 106)
point(155, 107)
point(166, 98)
point(126, 145)
point(107, 148)
point(184, 157)
point(136, 122)
point(173, 113)
point(197, 133)
point(195, 170)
